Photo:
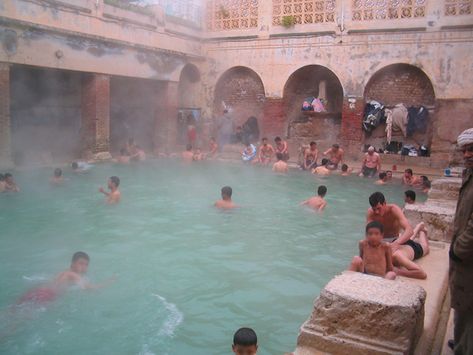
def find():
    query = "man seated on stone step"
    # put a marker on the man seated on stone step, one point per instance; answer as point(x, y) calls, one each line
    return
point(394, 220)
point(335, 156)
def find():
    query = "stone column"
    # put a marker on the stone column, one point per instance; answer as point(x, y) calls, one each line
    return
point(352, 134)
point(165, 131)
point(5, 132)
point(95, 132)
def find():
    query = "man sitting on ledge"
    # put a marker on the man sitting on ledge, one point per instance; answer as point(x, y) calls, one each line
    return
point(405, 249)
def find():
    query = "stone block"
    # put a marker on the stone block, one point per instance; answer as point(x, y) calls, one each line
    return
point(102, 156)
point(438, 217)
point(363, 314)
point(445, 189)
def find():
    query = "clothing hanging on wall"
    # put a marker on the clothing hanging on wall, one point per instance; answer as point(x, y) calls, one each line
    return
point(399, 118)
point(418, 118)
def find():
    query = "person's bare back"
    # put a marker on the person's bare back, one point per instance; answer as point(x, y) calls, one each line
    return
point(226, 202)
point(318, 202)
point(280, 167)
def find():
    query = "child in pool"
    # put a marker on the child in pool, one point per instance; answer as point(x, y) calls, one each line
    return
point(226, 202)
point(245, 342)
point(114, 195)
point(318, 202)
point(383, 179)
point(375, 255)
point(57, 177)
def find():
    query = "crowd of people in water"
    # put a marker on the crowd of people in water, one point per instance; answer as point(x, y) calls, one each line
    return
point(389, 249)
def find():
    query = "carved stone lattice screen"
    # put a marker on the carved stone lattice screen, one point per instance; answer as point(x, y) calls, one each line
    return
point(304, 11)
point(232, 14)
point(458, 7)
point(367, 10)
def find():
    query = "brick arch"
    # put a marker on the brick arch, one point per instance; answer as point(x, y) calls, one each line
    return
point(242, 91)
point(400, 83)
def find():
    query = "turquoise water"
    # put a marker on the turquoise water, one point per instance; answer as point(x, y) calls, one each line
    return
point(188, 275)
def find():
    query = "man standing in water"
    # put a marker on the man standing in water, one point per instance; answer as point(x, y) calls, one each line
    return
point(226, 202)
point(225, 130)
point(114, 195)
point(461, 254)
point(371, 164)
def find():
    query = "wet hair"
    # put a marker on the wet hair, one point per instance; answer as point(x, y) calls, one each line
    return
point(344, 167)
point(80, 255)
point(2, 177)
point(264, 139)
point(57, 172)
point(227, 191)
point(277, 139)
point(279, 156)
point(408, 171)
point(377, 198)
point(324, 161)
point(115, 180)
point(382, 175)
point(245, 337)
point(374, 224)
point(189, 147)
point(322, 190)
point(75, 165)
point(336, 146)
point(8, 175)
point(410, 194)
point(312, 143)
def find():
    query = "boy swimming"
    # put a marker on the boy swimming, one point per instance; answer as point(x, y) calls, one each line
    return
point(245, 342)
point(318, 202)
point(375, 255)
point(114, 195)
point(226, 202)
point(57, 177)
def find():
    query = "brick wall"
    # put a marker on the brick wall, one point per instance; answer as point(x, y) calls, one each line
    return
point(274, 120)
point(5, 156)
point(242, 90)
point(352, 135)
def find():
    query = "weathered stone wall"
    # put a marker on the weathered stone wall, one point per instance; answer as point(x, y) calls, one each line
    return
point(5, 132)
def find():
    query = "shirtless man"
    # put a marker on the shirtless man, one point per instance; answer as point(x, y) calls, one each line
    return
point(10, 184)
point(371, 163)
point(410, 179)
point(213, 148)
point(266, 152)
point(114, 195)
point(123, 158)
point(322, 169)
point(335, 156)
point(188, 155)
point(318, 202)
point(346, 171)
point(310, 157)
point(226, 202)
point(280, 166)
point(281, 147)
point(383, 179)
point(198, 155)
point(57, 177)
point(375, 255)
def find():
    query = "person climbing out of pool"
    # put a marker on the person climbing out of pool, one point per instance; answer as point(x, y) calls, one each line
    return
point(383, 179)
point(282, 147)
point(318, 202)
point(245, 342)
point(57, 177)
point(371, 163)
point(114, 195)
point(322, 168)
point(346, 171)
point(280, 166)
point(2, 183)
point(335, 156)
point(213, 148)
point(226, 202)
point(188, 155)
point(310, 157)
point(266, 152)
point(410, 197)
point(249, 153)
point(375, 255)
point(10, 184)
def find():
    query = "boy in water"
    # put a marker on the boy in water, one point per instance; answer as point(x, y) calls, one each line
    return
point(280, 166)
point(197, 155)
point(114, 195)
point(226, 202)
point(318, 202)
point(266, 152)
point(245, 342)
point(383, 179)
point(322, 169)
point(10, 184)
point(346, 171)
point(213, 148)
point(410, 197)
point(57, 177)
point(375, 255)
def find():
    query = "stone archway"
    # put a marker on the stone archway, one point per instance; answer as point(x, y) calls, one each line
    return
point(304, 126)
point(189, 108)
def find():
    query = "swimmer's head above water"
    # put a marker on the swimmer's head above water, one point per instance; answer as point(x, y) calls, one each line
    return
point(344, 168)
point(324, 162)
point(113, 182)
point(80, 262)
point(227, 193)
point(57, 172)
point(322, 190)
point(245, 342)
point(74, 165)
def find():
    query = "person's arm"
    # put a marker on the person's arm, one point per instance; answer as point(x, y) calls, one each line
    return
point(306, 153)
point(360, 247)
point(369, 216)
point(462, 247)
point(322, 206)
point(389, 258)
point(104, 192)
point(408, 232)
point(89, 286)
point(326, 152)
point(303, 203)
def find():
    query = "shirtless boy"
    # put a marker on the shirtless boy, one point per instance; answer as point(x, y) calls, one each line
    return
point(280, 166)
point(322, 169)
point(335, 156)
point(266, 152)
point(10, 184)
point(188, 155)
point(282, 147)
point(57, 177)
point(383, 179)
point(346, 171)
point(318, 202)
point(198, 155)
point(410, 179)
point(375, 255)
point(114, 195)
point(371, 163)
point(310, 157)
point(226, 202)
